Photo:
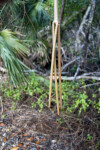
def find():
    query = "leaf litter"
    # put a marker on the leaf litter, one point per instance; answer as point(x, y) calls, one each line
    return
point(27, 129)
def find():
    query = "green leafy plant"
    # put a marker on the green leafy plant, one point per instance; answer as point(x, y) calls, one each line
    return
point(89, 137)
point(60, 121)
point(3, 116)
point(36, 86)
point(33, 105)
point(13, 106)
point(74, 99)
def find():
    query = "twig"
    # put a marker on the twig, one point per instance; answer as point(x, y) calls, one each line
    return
point(66, 65)
point(1, 105)
point(90, 85)
point(78, 69)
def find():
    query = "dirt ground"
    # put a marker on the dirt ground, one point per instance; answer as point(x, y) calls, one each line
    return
point(28, 129)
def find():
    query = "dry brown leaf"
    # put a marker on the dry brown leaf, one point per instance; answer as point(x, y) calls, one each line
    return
point(20, 144)
point(4, 140)
point(37, 148)
point(25, 134)
point(15, 148)
point(27, 145)
point(14, 134)
point(63, 128)
point(37, 142)
point(43, 139)
point(2, 124)
point(52, 109)
point(30, 139)
point(55, 122)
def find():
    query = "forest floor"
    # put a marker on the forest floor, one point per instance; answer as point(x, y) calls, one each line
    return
point(25, 128)
point(28, 129)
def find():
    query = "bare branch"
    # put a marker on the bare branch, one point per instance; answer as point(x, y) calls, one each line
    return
point(66, 65)
point(80, 31)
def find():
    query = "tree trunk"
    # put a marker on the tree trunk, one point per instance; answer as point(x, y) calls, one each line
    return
point(62, 11)
point(93, 2)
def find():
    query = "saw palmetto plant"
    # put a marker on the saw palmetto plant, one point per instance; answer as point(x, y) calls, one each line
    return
point(11, 52)
point(32, 15)
point(28, 17)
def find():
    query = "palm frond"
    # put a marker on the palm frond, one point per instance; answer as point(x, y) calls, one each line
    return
point(10, 46)
point(32, 14)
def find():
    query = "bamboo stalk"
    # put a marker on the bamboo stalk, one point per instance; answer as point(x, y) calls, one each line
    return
point(52, 63)
point(55, 73)
point(59, 65)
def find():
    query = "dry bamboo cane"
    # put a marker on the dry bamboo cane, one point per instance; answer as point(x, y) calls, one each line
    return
point(55, 29)
point(55, 71)
point(52, 63)
point(59, 65)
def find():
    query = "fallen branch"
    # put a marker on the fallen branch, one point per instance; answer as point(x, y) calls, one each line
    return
point(81, 77)
point(1, 105)
point(78, 78)
point(90, 85)
point(66, 65)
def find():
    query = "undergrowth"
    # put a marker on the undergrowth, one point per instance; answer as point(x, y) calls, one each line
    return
point(77, 98)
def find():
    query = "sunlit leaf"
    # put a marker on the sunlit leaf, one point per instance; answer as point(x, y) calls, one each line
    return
point(15, 148)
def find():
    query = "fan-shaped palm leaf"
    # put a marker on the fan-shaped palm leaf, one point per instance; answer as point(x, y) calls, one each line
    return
point(11, 49)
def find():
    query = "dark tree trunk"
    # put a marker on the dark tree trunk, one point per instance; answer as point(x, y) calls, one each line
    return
point(62, 11)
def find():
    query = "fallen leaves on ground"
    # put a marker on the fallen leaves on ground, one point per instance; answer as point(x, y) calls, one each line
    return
point(37, 142)
point(37, 148)
point(30, 139)
point(2, 124)
point(20, 144)
point(43, 139)
point(15, 148)
point(25, 134)
point(4, 140)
